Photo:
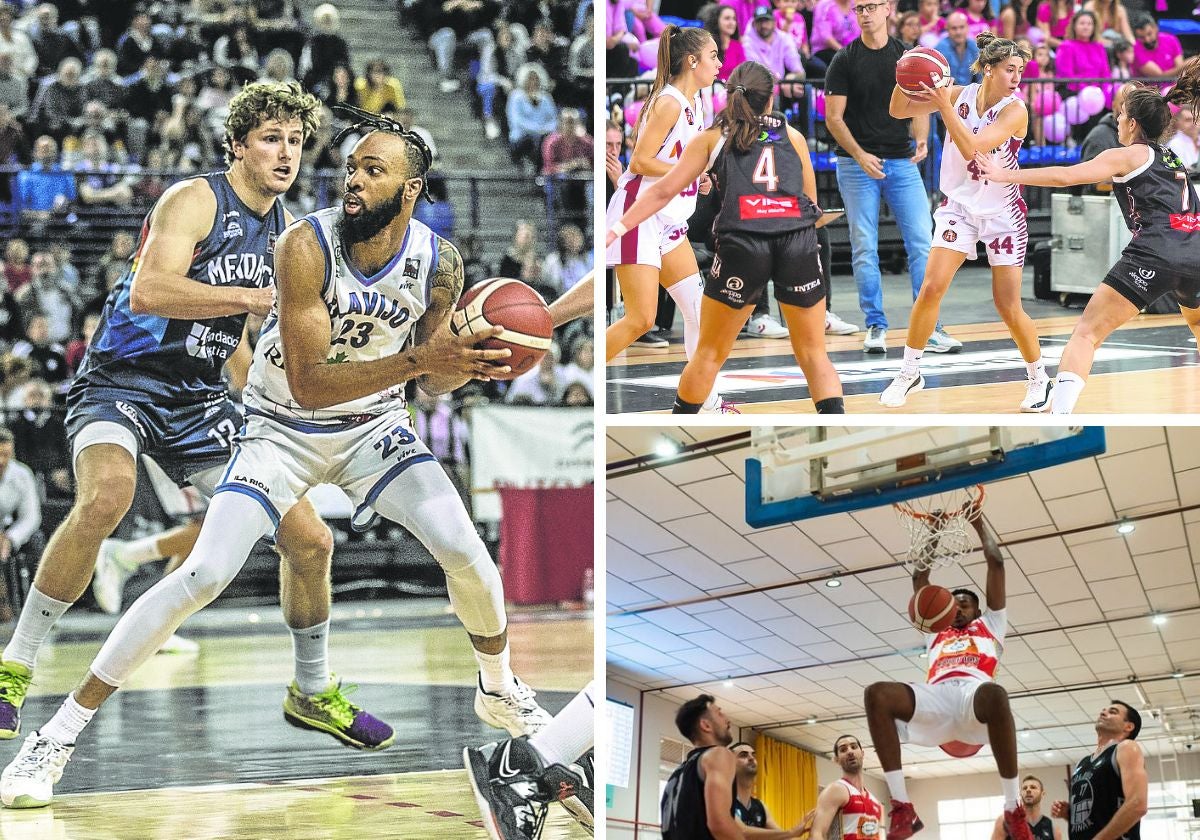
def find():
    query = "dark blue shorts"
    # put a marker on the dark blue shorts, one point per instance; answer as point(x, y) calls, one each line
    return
point(183, 440)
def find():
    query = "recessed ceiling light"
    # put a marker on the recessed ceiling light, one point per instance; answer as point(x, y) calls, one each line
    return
point(1025, 733)
point(1048, 753)
point(1125, 528)
point(666, 447)
point(1159, 618)
point(728, 683)
point(923, 656)
point(833, 583)
point(811, 721)
point(1178, 675)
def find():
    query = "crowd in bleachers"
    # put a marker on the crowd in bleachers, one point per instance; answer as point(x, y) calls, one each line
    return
point(104, 105)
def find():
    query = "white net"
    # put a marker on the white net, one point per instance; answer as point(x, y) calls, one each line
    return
point(939, 527)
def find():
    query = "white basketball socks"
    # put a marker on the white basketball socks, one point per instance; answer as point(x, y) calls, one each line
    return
point(896, 786)
point(37, 617)
point(141, 551)
point(310, 648)
point(687, 294)
point(495, 671)
point(570, 734)
point(68, 721)
point(1036, 370)
point(1067, 388)
point(1012, 793)
point(912, 361)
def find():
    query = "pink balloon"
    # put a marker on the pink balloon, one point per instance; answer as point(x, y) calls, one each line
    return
point(719, 98)
point(1035, 35)
point(1073, 112)
point(1046, 101)
point(1055, 127)
point(929, 39)
point(819, 102)
point(631, 112)
point(647, 55)
point(1091, 100)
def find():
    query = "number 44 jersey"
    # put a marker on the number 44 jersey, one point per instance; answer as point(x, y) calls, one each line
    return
point(369, 317)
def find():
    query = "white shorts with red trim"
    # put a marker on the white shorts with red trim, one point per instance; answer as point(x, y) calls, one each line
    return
point(646, 243)
point(1004, 237)
point(945, 712)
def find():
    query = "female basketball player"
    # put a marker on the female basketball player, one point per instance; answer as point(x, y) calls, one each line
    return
point(765, 229)
point(657, 251)
point(1160, 209)
point(987, 119)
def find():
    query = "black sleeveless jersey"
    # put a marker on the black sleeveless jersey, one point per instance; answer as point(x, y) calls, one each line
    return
point(762, 189)
point(683, 813)
point(1096, 794)
point(1161, 211)
point(1043, 829)
point(755, 815)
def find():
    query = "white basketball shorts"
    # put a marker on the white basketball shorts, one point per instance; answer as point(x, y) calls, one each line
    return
point(646, 243)
point(1004, 237)
point(945, 712)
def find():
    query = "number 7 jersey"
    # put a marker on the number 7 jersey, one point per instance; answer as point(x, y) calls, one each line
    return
point(1158, 202)
point(369, 318)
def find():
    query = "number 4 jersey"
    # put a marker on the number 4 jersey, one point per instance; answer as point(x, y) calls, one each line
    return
point(369, 318)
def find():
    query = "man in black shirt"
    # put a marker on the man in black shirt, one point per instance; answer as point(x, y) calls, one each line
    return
point(1109, 788)
point(876, 160)
point(697, 803)
point(750, 812)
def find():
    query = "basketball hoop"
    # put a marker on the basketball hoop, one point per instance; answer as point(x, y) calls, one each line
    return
point(938, 526)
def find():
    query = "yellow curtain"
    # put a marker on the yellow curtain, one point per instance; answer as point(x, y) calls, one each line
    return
point(787, 780)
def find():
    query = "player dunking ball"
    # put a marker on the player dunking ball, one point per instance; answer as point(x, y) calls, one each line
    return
point(846, 810)
point(657, 251)
point(1159, 205)
point(986, 119)
point(958, 702)
point(765, 229)
point(365, 298)
point(1040, 826)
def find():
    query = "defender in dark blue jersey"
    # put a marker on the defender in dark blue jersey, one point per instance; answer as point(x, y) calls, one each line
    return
point(1160, 208)
point(151, 384)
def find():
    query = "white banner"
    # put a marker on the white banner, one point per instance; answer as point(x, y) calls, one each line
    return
point(527, 446)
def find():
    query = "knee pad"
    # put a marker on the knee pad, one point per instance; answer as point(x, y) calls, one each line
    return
point(203, 581)
point(477, 594)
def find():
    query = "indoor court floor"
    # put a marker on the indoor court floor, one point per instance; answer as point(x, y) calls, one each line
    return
point(196, 746)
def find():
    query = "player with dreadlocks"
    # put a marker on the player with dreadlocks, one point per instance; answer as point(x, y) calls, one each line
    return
point(364, 298)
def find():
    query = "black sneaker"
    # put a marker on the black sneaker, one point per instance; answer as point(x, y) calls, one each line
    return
point(654, 338)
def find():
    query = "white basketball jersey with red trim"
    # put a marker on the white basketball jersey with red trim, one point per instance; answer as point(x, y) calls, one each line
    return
point(689, 124)
point(862, 817)
point(960, 180)
point(972, 652)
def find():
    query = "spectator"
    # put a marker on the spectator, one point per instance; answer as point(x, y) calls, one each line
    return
point(579, 369)
point(1053, 17)
point(50, 43)
point(834, 26)
point(522, 251)
point(326, 48)
point(932, 21)
point(619, 42)
point(550, 51)
point(790, 22)
point(1123, 58)
point(1182, 134)
point(646, 24)
point(461, 20)
point(277, 25)
point(99, 182)
point(49, 358)
point(1082, 55)
point(279, 66)
point(340, 87)
point(48, 295)
point(577, 394)
point(568, 148)
point(438, 214)
point(444, 432)
point(960, 50)
point(581, 66)
point(78, 346)
point(475, 268)
point(908, 30)
point(531, 116)
point(188, 48)
point(14, 87)
point(17, 271)
point(378, 90)
point(540, 385)
point(1015, 18)
point(44, 186)
point(58, 108)
point(13, 147)
point(980, 17)
point(151, 183)
point(61, 252)
point(12, 329)
point(1112, 20)
point(776, 51)
point(14, 373)
point(101, 82)
point(614, 147)
point(214, 98)
point(148, 100)
point(236, 52)
point(569, 262)
point(20, 511)
point(120, 249)
point(16, 43)
point(137, 44)
point(721, 22)
point(97, 119)
point(1155, 54)
point(38, 437)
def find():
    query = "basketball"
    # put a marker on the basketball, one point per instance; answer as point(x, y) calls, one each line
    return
point(511, 304)
point(922, 64)
point(932, 609)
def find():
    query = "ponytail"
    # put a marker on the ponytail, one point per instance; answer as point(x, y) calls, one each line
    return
point(749, 90)
point(674, 45)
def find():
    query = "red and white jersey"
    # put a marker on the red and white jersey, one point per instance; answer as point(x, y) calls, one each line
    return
point(689, 124)
point(960, 179)
point(972, 652)
point(862, 817)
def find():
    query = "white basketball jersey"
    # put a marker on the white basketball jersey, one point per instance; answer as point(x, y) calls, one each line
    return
point(687, 126)
point(960, 179)
point(369, 318)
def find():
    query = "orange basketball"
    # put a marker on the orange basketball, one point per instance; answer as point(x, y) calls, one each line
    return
point(502, 301)
point(932, 609)
point(922, 64)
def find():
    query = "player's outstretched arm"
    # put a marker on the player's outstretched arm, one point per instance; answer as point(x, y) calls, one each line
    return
point(576, 302)
point(904, 106)
point(1135, 788)
point(831, 801)
point(180, 221)
point(771, 832)
point(1102, 167)
point(718, 767)
point(691, 166)
point(996, 590)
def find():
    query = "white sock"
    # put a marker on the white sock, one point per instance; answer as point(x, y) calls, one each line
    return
point(37, 617)
point(1012, 793)
point(1067, 388)
point(310, 648)
point(570, 734)
point(912, 361)
point(1036, 370)
point(495, 672)
point(68, 721)
point(896, 786)
point(687, 294)
point(140, 552)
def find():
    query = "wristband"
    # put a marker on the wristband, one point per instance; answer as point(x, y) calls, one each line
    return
point(619, 229)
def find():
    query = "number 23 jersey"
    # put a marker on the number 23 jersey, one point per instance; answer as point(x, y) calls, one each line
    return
point(369, 317)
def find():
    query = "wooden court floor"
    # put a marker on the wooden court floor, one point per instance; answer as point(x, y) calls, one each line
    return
point(196, 748)
point(1149, 365)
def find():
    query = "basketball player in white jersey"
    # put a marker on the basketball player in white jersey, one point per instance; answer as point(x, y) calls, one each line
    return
point(959, 707)
point(658, 251)
point(846, 809)
point(365, 294)
point(987, 118)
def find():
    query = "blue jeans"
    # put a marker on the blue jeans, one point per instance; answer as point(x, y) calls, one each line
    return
point(904, 192)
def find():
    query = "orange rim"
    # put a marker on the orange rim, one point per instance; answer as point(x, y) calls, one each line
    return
point(905, 509)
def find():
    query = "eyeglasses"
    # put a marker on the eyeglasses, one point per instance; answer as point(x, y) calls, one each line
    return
point(867, 8)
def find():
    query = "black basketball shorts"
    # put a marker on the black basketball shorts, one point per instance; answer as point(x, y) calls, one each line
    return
point(746, 262)
point(1141, 282)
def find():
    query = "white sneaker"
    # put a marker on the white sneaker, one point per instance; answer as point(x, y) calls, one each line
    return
point(836, 326)
point(876, 340)
point(491, 128)
point(111, 574)
point(723, 406)
point(178, 644)
point(896, 394)
point(1037, 395)
point(941, 342)
point(28, 780)
point(517, 711)
point(764, 326)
